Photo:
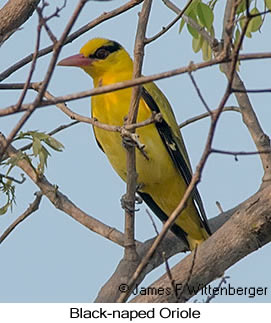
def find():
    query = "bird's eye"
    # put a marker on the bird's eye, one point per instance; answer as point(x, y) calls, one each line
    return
point(101, 53)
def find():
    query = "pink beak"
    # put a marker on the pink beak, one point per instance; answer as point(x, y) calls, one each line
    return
point(75, 60)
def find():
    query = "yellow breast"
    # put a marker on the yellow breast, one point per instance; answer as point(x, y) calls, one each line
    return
point(111, 108)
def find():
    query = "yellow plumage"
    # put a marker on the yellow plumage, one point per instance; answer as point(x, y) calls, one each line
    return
point(164, 176)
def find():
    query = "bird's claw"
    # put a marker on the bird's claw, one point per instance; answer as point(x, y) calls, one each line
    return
point(128, 204)
point(128, 142)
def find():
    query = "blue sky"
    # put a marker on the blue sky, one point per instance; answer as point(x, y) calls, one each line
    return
point(52, 258)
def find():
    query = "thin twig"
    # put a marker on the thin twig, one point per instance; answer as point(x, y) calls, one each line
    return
point(186, 284)
point(251, 90)
point(18, 181)
point(172, 23)
point(43, 87)
point(205, 115)
point(213, 42)
point(240, 153)
point(172, 281)
point(103, 17)
point(32, 69)
point(31, 209)
point(51, 133)
point(199, 93)
point(152, 221)
point(62, 202)
point(130, 83)
point(219, 206)
point(222, 281)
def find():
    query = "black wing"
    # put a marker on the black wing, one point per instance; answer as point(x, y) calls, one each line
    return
point(177, 157)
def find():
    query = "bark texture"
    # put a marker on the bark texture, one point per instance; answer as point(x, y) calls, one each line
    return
point(13, 15)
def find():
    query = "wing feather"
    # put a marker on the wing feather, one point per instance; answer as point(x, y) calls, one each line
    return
point(172, 139)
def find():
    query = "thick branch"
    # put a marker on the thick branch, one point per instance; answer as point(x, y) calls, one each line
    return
point(250, 119)
point(170, 245)
point(13, 15)
point(62, 202)
point(247, 230)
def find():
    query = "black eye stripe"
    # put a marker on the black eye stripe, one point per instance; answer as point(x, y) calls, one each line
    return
point(111, 48)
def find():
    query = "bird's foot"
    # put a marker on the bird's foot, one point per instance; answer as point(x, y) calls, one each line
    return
point(128, 204)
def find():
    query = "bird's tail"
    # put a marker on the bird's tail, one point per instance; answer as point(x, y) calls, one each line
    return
point(193, 243)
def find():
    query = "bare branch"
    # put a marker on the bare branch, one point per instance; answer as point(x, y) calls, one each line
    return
point(126, 84)
point(222, 281)
point(73, 36)
point(251, 90)
point(247, 230)
point(172, 23)
point(240, 153)
point(213, 42)
point(44, 84)
point(13, 15)
point(61, 202)
point(170, 277)
point(250, 119)
point(130, 249)
point(199, 93)
point(32, 68)
point(18, 181)
point(194, 181)
point(31, 209)
point(205, 115)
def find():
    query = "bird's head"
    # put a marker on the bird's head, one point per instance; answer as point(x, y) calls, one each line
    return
point(99, 57)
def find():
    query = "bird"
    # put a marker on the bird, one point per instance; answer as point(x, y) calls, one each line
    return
point(164, 175)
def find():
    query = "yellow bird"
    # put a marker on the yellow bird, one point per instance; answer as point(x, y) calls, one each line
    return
point(165, 175)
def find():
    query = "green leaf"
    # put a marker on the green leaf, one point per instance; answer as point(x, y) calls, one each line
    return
point(256, 22)
point(192, 30)
point(205, 14)
point(206, 51)
point(241, 7)
point(242, 24)
point(4, 208)
point(53, 143)
point(181, 25)
point(43, 156)
point(39, 135)
point(192, 7)
point(197, 44)
point(268, 4)
point(237, 36)
point(36, 146)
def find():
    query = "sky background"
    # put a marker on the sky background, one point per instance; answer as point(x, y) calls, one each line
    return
point(52, 258)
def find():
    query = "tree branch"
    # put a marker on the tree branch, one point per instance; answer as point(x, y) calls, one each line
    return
point(126, 84)
point(44, 84)
point(171, 24)
point(213, 42)
point(246, 231)
point(130, 250)
point(13, 15)
point(31, 209)
point(250, 119)
point(62, 202)
point(73, 36)
point(194, 180)
point(205, 115)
